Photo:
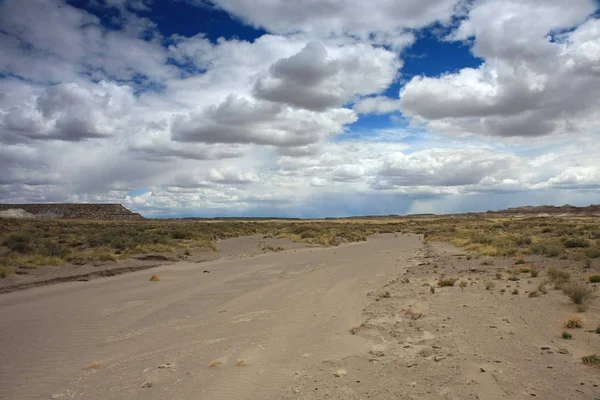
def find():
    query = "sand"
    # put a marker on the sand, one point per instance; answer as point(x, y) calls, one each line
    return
point(304, 323)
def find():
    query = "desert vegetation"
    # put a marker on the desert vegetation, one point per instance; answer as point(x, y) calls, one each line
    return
point(33, 243)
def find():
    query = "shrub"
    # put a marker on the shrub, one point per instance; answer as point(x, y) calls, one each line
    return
point(462, 284)
point(432, 289)
point(384, 294)
point(578, 293)
point(574, 321)
point(588, 263)
point(594, 278)
point(534, 272)
point(558, 277)
point(515, 292)
point(598, 329)
point(447, 281)
point(154, 278)
point(6, 271)
point(542, 287)
point(519, 261)
point(17, 243)
point(567, 335)
point(487, 261)
point(489, 285)
point(534, 293)
point(572, 242)
point(592, 359)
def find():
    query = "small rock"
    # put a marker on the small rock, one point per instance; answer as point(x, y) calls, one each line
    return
point(167, 365)
point(376, 353)
point(481, 369)
point(545, 348)
point(296, 390)
point(57, 396)
point(146, 384)
point(411, 365)
point(413, 384)
point(340, 372)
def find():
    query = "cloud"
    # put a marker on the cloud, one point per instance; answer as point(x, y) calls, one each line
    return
point(314, 80)
point(533, 82)
point(241, 120)
point(377, 105)
point(382, 20)
point(97, 104)
point(69, 112)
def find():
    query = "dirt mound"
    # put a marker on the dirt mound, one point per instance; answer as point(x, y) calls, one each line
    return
point(108, 212)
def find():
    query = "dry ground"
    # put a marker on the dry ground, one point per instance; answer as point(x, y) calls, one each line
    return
point(297, 318)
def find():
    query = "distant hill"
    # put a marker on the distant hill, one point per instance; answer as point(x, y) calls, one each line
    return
point(566, 210)
point(100, 212)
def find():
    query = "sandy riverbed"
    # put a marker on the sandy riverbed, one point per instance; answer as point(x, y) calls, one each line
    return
point(297, 319)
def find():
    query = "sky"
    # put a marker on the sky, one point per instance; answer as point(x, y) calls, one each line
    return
point(305, 108)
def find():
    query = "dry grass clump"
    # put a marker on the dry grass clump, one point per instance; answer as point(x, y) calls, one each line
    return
point(241, 363)
point(489, 285)
point(534, 272)
point(442, 282)
point(384, 294)
point(487, 261)
point(93, 365)
point(592, 360)
point(558, 277)
point(579, 293)
point(542, 287)
point(215, 364)
point(154, 278)
point(574, 321)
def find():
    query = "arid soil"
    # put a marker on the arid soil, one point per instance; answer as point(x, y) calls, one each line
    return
point(357, 321)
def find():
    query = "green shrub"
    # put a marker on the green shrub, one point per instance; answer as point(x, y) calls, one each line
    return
point(567, 335)
point(594, 278)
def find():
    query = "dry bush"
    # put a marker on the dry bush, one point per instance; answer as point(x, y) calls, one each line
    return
point(241, 363)
point(534, 272)
point(558, 277)
point(591, 359)
point(579, 293)
point(154, 278)
point(384, 294)
point(442, 282)
point(542, 287)
point(489, 285)
point(215, 364)
point(574, 321)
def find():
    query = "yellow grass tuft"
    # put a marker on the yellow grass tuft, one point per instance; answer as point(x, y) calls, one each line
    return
point(93, 365)
point(154, 278)
point(241, 363)
point(215, 364)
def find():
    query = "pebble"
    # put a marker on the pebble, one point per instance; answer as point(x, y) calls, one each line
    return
point(545, 348)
